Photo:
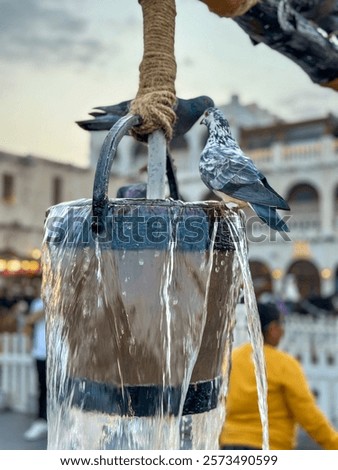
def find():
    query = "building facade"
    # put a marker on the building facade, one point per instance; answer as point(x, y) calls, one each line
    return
point(301, 162)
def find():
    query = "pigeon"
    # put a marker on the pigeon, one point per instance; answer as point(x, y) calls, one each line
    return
point(233, 176)
point(139, 190)
point(132, 191)
point(188, 111)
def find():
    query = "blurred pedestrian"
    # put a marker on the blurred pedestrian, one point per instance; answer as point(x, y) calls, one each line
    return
point(290, 400)
point(35, 325)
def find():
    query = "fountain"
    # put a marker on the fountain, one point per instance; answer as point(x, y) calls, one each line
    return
point(136, 334)
point(140, 299)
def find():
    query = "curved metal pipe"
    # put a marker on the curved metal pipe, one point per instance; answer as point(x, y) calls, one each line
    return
point(107, 155)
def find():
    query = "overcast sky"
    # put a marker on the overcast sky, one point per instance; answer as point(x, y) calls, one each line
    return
point(60, 58)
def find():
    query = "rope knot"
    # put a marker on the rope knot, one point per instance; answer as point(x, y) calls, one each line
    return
point(156, 110)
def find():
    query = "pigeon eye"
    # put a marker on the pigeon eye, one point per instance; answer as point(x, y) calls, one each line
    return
point(206, 113)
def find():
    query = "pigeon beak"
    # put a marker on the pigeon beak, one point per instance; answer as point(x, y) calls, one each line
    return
point(202, 121)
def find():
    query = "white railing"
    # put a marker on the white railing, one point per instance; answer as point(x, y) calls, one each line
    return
point(18, 384)
point(298, 153)
point(262, 155)
point(290, 155)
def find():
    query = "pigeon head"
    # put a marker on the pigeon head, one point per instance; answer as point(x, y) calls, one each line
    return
point(214, 119)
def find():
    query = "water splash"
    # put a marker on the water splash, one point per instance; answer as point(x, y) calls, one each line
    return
point(128, 327)
point(235, 224)
point(203, 429)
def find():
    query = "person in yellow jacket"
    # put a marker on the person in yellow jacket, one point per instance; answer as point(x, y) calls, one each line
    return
point(290, 400)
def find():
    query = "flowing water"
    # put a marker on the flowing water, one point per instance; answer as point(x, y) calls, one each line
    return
point(253, 324)
point(139, 323)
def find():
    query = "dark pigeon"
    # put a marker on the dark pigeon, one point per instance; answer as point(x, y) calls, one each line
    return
point(233, 176)
point(187, 112)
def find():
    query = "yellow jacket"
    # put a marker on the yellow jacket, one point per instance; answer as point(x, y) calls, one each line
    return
point(290, 402)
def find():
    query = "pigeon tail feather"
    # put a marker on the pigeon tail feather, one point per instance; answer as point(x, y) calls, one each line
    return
point(270, 216)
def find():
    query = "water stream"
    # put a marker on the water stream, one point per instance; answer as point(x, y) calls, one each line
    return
point(253, 323)
point(139, 320)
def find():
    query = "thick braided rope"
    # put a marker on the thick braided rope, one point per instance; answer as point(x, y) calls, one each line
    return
point(230, 8)
point(156, 95)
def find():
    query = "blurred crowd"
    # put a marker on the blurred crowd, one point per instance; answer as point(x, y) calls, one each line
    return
point(290, 301)
point(315, 306)
point(16, 296)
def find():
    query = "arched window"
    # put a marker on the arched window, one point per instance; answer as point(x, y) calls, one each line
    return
point(307, 278)
point(303, 200)
point(261, 277)
point(303, 197)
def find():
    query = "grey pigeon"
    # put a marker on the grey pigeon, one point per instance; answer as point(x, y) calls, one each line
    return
point(233, 176)
point(187, 112)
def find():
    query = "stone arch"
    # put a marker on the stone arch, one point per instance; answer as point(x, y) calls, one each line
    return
point(303, 197)
point(307, 277)
point(304, 201)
